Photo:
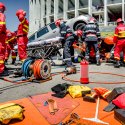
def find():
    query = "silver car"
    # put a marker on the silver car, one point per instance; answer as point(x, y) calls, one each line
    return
point(51, 31)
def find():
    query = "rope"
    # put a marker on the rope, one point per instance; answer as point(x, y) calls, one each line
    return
point(71, 80)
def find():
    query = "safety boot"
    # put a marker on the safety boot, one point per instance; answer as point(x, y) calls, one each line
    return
point(117, 64)
point(18, 72)
point(71, 70)
point(98, 63)
point(13, 61)
point(6, 63)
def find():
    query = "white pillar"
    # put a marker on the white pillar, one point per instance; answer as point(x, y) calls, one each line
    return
point(37, 14)
point(105, 13)
point(30, 17)
point(90, 7)
point(65, 8)
point(56, 9)
point(48, 9)
point(42, 12)
point(123, 10)
point(76, 8)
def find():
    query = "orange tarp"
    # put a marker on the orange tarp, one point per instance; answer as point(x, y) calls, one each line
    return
point(87, 110)
point(84, 110)
point(32, 115)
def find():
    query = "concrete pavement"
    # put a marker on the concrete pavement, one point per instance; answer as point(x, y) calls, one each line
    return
point(32, 88)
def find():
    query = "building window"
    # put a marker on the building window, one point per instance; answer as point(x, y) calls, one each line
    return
point(52, 6)
point(52, 26)
point(60, 6)
point(71, 4)
point(42, 32)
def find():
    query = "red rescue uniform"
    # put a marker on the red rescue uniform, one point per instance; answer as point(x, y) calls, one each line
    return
point(119, 40)
point(2, 41)
point(10, 43)
point(22, 33)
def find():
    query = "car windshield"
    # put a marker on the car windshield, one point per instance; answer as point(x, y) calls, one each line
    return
point(52, 26)
point(42, 32)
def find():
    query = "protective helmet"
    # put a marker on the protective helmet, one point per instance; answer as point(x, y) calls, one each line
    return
point(119, 20)
point(20, 12)
point(79, 33)
point(58, 22)
point(2, 6)
point(92, 20)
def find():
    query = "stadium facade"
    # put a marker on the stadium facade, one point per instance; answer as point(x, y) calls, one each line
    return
point(42, 12)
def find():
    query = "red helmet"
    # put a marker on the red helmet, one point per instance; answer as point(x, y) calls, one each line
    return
point(119, 20)
point(79, 32)
point(2, 6)
point(21, 12)
point(58, 22)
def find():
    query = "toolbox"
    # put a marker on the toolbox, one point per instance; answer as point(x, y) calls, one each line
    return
point(115, 92)
point(119, 114)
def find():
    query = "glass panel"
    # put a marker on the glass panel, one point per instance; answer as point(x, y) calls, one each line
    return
point(32, 38)
point(52, 6)
point(52, 26)
point(42, 32)
point(60, 6)
point(113, 1)
point(71, 4)
point(83, 3)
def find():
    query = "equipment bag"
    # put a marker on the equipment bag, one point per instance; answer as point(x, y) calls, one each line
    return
point(78, 91)
point(10, 111)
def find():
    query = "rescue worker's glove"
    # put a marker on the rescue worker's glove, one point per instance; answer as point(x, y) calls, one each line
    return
point(99, 44)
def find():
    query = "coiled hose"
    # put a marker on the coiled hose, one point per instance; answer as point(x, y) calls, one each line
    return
point(27, 72)
point(41, 69)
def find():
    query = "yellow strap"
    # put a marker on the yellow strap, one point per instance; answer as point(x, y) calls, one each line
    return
point(26, 26)
point(6, 42)
point(2, 22)
point(13, 57)
point(11, 39)
point(23, 20)
point(115, 35)
point(1, 61)
point(25, 30)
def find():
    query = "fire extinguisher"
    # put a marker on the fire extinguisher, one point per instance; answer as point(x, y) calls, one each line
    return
point(84, 72)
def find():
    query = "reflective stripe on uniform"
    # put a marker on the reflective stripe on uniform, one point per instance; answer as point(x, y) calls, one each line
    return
point(121, 34)
point(11, 39)
point(1, 61)
point(13, 57)
point(23, 20)
point(26, 26)
point(117, 58)
point(25, 30)
point(2, 22)
point(115, 35)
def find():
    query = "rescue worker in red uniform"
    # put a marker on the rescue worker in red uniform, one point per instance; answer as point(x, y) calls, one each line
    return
point(10, 43)
point(3, 71)
point(119, 40)
point(22, 33)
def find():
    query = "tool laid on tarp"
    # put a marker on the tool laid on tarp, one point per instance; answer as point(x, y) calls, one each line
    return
point(52, 106)
point(95, 119)
point(119, 114)
point(10, 111)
